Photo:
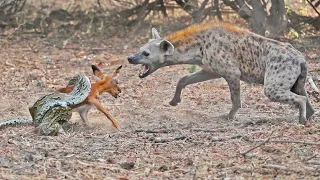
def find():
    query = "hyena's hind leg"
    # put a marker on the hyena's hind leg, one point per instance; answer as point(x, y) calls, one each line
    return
point(199, 76)
point(299, 88)
point(278, 84)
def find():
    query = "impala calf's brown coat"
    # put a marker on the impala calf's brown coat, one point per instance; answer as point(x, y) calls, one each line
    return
point(234, 54)
point(106, 84)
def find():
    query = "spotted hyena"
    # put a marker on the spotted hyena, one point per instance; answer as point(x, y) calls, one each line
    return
point(234, 54)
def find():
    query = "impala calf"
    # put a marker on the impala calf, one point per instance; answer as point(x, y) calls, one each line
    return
point(105, 84)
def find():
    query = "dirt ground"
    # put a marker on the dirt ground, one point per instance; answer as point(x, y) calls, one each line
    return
point(156, 141)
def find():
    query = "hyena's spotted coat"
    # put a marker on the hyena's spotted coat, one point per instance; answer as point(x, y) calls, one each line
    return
point(234, 54)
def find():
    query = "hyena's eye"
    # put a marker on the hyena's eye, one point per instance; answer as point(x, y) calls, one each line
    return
point(145, 53)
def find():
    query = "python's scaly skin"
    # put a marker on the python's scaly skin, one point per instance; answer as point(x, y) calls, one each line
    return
point(54, 108)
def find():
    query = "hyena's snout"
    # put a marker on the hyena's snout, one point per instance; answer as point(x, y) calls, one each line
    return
point(134, 59)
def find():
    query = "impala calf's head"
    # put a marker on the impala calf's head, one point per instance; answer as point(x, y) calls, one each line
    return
point(152, 55)
point(107, 83)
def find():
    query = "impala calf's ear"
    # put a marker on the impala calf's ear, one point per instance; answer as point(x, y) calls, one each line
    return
point(97, 72)
point(115, 74)
point(155, 34)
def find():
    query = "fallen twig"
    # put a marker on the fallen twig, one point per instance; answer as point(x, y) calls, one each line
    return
point(278, 167)
point(226, 138)
point(91, 49)
point(314, 156)
point(168, 139)
point(314, 162)
point(216, 139)
point(210, 130)
point(314, 8)
point(85, 49)
point(152, 131)
point(9, 64)
point(261, 144)
point(288, 141)
point(258, 122)
point(16, 29)
point(315, 70)
point(284, 168)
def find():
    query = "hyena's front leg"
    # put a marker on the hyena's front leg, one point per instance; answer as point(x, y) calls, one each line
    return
point(234, 86)
point(199, 76)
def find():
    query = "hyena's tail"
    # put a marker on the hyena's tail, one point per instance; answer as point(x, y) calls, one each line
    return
point(15, 122)
point(311, 82)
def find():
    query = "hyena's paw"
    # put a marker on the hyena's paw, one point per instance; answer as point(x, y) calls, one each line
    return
point(174, 102)
point(302, 120)
point(227, 117)
point(310, 113)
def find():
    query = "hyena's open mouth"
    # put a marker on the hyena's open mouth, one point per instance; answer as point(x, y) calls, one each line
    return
point(144, 71)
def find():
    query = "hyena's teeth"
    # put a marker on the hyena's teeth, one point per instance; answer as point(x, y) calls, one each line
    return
point(144, 69)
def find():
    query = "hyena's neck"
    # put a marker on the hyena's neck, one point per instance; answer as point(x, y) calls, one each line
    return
point(186, 54)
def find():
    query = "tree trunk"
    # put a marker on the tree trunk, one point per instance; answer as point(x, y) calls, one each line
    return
point(255, 12)
point(217, 8)
point(277, 21)
point(259, 16)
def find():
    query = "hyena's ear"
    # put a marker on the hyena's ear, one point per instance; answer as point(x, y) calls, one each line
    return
point(97, 72)
point(116, 72)
point(167, 47)
point(155, 34)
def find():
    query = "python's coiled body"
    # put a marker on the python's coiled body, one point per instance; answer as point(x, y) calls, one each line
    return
point(51, 111)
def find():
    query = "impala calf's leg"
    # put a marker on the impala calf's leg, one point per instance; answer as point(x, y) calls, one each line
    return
point(199, 76)
point(83, 112)
point(84, 116)
point(105, 112)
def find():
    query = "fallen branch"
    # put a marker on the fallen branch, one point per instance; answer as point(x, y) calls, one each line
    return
point(284, 168)
point(152, 131)
point(278, 167)
point(226, 138)
point(315, 70)
point(261, 144)
point(210, 130)
point(315, 162)
point(9, 64)
point(288, 141)
point(252, 122)
point(314, 156)
point(85, 49)
point(16, 29)
point(314, 8)
point(168, 139)
point(217, 139)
